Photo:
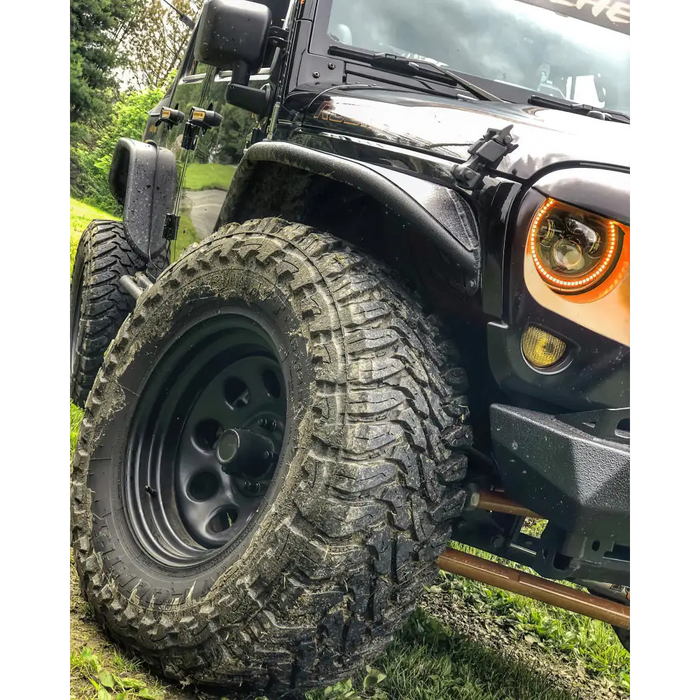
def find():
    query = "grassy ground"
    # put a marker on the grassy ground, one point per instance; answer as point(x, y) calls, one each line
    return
point(467, 641)
point(208, 176)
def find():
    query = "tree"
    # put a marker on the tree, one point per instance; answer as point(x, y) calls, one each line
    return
point(93, 52)
point(92, 57)
point(153, 41)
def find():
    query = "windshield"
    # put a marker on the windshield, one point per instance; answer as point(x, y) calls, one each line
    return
point(509, 42)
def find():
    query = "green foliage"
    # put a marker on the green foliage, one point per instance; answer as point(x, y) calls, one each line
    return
point(92, 56)
point(76, 417)
point(534, 527)
point(93, 53)
point(91, 153)
point(89, 666)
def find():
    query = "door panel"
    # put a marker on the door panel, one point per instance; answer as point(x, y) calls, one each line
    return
point(216, 156)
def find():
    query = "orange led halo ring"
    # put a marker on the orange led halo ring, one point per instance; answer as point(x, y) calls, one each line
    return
point(564, 284)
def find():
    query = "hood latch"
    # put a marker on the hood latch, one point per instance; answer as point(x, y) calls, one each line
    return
point(487, 153)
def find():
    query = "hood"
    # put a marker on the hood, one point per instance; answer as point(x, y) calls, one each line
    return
point(449, 127)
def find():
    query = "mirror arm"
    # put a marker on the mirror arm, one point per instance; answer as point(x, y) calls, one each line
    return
point(278, 37)
point(240, 73)
point(256, 100)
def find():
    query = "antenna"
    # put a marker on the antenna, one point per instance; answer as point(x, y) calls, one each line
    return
point(187, 21)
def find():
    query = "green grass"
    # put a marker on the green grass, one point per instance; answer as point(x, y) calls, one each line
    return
point(100, 675)
point(186, 235)
point(209, 176)
point(75, 417)
point(431, 662)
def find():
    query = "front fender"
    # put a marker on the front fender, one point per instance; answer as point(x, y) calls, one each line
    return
point(438, 211)
point(143, 178)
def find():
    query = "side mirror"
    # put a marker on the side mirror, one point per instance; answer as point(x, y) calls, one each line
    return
point(233, 35)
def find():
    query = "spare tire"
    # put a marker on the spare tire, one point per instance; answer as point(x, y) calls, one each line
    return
point(265, 477)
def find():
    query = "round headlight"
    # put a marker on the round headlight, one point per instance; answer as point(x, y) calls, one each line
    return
point(573, 250)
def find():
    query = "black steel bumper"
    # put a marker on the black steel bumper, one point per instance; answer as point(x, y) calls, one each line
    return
point(572, 469)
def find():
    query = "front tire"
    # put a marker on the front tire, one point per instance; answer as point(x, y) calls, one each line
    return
point(350, 518)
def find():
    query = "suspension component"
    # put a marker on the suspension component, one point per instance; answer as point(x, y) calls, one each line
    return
point(497, 503)
point(541, 589)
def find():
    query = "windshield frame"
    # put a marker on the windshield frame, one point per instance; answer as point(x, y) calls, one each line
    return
point(321, 41)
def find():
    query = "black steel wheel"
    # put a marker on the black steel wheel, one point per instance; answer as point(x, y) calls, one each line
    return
point(205, 439)
point(265, 474)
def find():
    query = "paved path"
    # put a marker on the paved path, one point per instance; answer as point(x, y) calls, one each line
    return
point(203, 207)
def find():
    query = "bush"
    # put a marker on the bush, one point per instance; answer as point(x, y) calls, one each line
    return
point(92, 147)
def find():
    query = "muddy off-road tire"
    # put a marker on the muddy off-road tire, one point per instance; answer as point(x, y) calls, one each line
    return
point(355, 509)
point(98, 304)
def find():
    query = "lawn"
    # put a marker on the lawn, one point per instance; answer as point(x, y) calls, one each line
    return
point(467, 641)
point(209, 176)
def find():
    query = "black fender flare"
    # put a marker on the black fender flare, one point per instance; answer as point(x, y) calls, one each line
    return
point(143, 178)
point(438, 211)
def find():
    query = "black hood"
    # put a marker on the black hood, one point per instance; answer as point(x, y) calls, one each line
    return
point(448, 127)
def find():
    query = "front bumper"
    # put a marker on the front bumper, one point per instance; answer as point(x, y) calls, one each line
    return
point(572, 469)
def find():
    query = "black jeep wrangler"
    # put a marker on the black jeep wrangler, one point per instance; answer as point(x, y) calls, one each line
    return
point(406, 323)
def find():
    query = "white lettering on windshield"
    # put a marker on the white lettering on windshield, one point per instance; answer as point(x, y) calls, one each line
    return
point(615, 10)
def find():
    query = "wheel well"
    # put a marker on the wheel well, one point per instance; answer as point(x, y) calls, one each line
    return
point(348, 213)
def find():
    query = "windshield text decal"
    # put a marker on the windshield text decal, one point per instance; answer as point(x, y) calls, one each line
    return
point(613, 14)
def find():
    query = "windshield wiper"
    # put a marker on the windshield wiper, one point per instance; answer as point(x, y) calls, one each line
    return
point(577, 108)
point(411, 66)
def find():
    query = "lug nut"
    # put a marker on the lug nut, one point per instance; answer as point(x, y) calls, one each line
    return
point(267, 424)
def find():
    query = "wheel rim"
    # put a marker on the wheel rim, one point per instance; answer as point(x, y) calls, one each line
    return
point(204, 444)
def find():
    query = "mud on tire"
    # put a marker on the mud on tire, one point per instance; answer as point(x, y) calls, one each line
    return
point(99, 305)
point(365, 489)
